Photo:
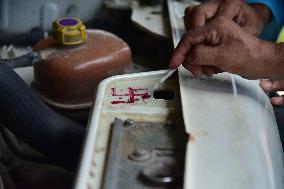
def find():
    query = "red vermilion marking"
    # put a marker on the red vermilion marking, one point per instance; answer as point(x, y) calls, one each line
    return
point(146, 96)
point(132, 95)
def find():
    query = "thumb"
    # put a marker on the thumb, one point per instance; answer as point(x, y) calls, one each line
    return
point(277, 101)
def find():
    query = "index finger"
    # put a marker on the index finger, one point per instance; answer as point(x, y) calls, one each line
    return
point(188, 40)
point(195, 16)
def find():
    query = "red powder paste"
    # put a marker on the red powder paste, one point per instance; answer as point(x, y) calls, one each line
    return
point(132, 95)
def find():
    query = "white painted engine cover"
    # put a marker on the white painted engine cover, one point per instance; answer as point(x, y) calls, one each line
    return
point(234, 137)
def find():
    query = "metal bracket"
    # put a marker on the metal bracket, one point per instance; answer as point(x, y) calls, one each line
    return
point(145, 155)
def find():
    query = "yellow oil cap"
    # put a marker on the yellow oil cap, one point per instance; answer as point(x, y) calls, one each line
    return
point(69, 31)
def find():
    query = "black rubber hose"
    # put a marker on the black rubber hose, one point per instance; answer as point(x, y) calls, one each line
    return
point(24, 114)
point(21, 149)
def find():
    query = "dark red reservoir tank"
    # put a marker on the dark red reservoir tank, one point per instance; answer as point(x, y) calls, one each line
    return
point(75, 61)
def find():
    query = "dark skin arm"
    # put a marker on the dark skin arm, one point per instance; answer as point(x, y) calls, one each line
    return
point(222, 45)
point(251, 18)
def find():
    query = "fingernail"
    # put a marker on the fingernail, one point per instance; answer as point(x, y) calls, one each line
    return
point(277, 100)
point(266, 84)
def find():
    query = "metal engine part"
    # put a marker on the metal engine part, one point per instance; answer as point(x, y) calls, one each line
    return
point(146, 155)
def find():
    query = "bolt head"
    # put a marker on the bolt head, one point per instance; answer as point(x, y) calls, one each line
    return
point(129, 123)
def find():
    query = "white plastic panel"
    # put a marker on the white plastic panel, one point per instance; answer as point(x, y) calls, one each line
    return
point(234, 137)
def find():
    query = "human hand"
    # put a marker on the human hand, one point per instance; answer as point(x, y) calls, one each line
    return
point(274, 86)
point(222, 45)
point(251, 18)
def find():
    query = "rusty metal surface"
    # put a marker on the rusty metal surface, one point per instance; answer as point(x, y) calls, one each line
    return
point(145, 155)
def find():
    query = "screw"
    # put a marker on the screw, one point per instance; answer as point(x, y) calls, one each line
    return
point(129, 123)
